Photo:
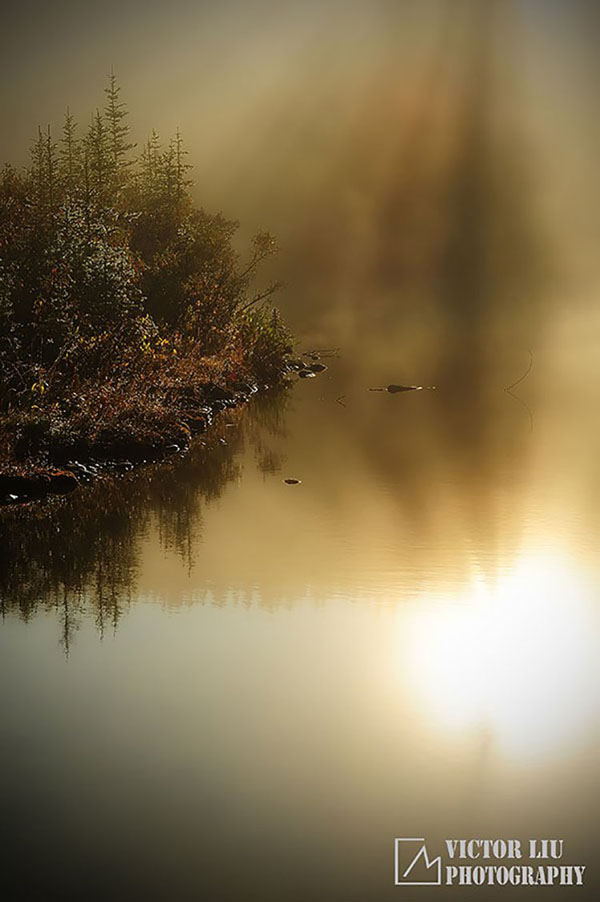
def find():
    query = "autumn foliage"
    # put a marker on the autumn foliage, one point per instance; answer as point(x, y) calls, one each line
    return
point(118, 297)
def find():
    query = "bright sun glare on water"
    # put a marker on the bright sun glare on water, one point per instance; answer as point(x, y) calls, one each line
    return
point(515, 659)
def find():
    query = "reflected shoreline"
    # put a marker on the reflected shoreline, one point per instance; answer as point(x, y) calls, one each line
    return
point(80, 552)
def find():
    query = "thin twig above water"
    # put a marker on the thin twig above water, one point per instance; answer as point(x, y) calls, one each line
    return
point(509, 391)
point(524, 376)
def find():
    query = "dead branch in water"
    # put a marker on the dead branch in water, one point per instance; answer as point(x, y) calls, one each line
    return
point(524, 376)
point(394, 389)
point(509, 391)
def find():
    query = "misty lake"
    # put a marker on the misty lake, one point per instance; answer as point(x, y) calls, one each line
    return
point(218, 686)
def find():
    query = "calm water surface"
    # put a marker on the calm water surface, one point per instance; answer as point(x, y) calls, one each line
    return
point(216, 686)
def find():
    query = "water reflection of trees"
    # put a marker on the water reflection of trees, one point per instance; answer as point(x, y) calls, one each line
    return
point(457, 256)
point(78, 555)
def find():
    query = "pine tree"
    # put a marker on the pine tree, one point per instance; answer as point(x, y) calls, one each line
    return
point(44, 171)
point(115, 113)
point(97, 140)
point(168, 174)
point(70, 154)
point(38, 168)
point(51, 167)
point(149, 165)
point(181, 167)
point(87, 189)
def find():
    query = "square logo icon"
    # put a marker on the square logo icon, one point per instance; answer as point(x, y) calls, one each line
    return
point(412, 864)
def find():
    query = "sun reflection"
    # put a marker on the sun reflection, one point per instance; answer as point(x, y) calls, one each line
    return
point(515, 658)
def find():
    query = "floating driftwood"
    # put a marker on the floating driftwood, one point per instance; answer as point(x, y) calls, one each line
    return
point(394, 389)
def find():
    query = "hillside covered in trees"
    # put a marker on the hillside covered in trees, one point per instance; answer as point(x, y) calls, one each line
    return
point(123, 308)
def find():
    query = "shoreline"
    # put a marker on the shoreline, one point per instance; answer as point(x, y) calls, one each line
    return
point(67, 468)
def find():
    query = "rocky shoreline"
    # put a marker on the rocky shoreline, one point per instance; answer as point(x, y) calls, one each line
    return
point(70, 466)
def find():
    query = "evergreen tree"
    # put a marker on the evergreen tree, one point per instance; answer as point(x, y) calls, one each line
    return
point(150, 166)
point(168, 175)
point(145, 174)
point(97, 140)
point(70, 154)
point(115, 113)
point(37, 170)
point(181, 167)
point(51, 169)
point(87, 189)
point(43, 172)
